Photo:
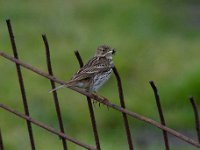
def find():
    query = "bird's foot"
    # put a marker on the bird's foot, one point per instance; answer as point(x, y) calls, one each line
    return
point(103, 99)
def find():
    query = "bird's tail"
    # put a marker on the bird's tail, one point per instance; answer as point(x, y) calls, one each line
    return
point(67, 84)
point(58, 87)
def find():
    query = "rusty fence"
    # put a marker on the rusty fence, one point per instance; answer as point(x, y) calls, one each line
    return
point(122, 109)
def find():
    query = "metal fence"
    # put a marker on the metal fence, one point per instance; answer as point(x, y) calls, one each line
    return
point(122, 109)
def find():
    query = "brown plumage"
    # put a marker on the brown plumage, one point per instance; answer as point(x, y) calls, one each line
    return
point(95, 72)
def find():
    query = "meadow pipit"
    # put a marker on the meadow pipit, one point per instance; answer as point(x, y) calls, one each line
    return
point(94, 73)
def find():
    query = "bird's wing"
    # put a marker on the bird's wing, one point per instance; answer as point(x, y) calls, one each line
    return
point(94, 66)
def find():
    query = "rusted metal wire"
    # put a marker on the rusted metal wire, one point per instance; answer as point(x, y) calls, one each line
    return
point(1, 141)
point(48, 128)
point(21, 83)
point(122, 103)
point(162, 119)
point(55, 96)
point(104, 101)
point(92, 115)
point(196, 116)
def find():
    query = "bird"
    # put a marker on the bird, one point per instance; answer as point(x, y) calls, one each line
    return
point(94, 73)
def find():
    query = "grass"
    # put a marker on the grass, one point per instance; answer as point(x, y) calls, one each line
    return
point(154, 40)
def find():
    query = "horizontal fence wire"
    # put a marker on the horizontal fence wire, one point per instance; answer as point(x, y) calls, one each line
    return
point(90, 107)
point(104, 101)
point(55, 96)
point(196, 116)
point(162, 119)
point(21, 83)
point(48, 128)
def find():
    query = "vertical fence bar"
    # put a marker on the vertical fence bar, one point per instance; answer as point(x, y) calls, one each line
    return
point(122, 103)
point(21, 83)
point(157, 97)
point(92, 116)
point(196, 116)
point(78, 56)
point(1, 141)
point(55, 96)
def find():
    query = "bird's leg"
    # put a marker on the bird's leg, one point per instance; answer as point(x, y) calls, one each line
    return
point(103, 98)
point(94, 101)
point(99, 105)
point(95, 93)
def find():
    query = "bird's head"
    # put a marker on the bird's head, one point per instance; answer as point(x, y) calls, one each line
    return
point(105, 51)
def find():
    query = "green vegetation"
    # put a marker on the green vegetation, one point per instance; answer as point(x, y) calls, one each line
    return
point(155, 40)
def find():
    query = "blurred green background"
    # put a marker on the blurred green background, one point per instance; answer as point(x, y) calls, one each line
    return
point(155, 40)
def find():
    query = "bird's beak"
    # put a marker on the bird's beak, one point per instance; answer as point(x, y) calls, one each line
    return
point(113, 51)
